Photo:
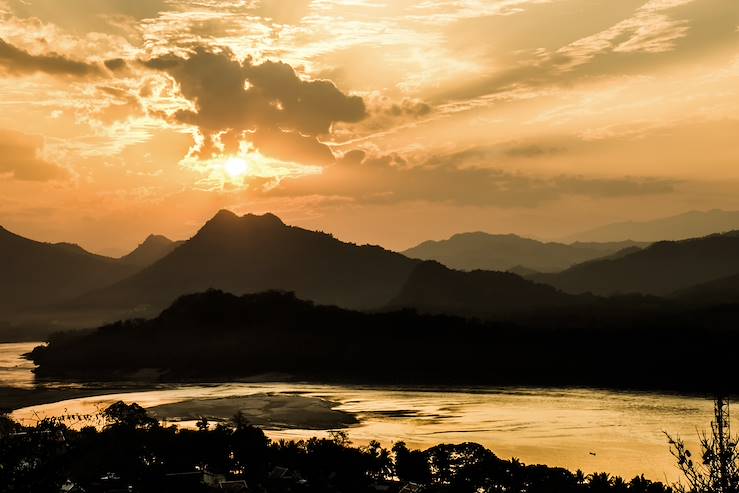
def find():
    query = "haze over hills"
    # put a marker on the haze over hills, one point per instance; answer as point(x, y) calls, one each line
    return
point(660, 269)
point(682, 226)
point(36, 274)
point(152, 249)
point(251, 253)
point(470, 251)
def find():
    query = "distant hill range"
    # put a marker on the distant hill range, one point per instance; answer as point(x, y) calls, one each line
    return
point(471, 251)
point(63, 286)
point(683, 226)
point(251, 253)
point(692, 267)
point(36, 274)
point(152, 249)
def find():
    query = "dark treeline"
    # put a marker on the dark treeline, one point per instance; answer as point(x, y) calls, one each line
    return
point(135, 453)
point(630, 342)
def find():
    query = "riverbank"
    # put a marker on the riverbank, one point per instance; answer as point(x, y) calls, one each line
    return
point(238, 456)
point(556, 426)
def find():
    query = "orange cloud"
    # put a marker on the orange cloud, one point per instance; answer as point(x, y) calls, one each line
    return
point(16, 61)
point(265, 104)
point(20, 158)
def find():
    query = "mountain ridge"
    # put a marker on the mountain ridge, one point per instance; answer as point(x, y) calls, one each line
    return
point(661, 269)
point(252, 253)
point(504, 252)
point(153, 248)
point(682, 226)
point(36, 274)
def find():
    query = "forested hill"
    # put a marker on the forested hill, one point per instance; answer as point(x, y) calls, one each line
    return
point(628, 342)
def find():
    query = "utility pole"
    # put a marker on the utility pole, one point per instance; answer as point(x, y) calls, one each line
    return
point(722, 432)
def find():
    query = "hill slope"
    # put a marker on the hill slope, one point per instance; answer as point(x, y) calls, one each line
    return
point(471, 251)
point(720, 291)
point(214, 335)
point(660, 269)
point(433, 288)
point(257, 253)
point(36, 274)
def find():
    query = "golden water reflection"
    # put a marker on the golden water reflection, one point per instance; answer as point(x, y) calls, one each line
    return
point(592, 430)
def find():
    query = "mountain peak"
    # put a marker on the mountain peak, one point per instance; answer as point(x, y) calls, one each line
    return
point(224, 215)
point(226, 220)
point(153, 239)
point(266, 218)
point(152, 249)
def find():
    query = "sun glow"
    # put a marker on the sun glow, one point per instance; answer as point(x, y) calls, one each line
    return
point(236, 167)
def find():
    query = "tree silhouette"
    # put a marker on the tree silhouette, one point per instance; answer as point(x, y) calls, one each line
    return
point(129, 416)
point(716, 470)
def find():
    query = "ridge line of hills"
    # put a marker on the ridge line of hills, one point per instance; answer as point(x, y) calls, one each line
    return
point(510, 252)
point(217, 335)
point(57, 286)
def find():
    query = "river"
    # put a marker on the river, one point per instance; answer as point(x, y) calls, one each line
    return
point(621, 433)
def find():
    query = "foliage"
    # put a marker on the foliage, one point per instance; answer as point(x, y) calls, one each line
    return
point(215, 335)
point(716, 470)
point(134, 451)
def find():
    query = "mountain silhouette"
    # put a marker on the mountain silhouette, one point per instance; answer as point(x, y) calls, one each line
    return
point(255, 253)
point(434, 288)
point(720, 291)
point(36, 274)
point(660, 269)
point(471, 251)
point(217, 336)
point(152, 249)
point(682, 226)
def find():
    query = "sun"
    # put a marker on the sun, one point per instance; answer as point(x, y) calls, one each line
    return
point(235, 167)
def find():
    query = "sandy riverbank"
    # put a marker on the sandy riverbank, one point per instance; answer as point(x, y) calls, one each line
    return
point(270, 411)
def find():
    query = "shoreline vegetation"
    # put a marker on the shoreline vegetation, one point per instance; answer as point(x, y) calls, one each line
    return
point(134, 452)
point(214, 336)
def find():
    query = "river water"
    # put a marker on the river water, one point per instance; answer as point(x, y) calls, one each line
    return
point(593, 430)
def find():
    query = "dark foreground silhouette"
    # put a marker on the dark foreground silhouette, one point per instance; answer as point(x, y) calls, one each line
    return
point(134, 453)
point(632, 342)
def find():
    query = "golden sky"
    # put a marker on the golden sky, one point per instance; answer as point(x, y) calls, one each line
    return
point(382, 121)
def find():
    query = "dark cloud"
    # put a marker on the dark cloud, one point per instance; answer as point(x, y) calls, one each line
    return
point(290, 146)
point(13, 60)
point(20, 158)
point(409, 107)
point(443, 178)
point(121, 106)
point(116, 64)
point(267, 103)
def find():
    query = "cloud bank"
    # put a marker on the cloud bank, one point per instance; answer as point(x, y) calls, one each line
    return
point(451, 179)
point(15, 61)
point(265, 104)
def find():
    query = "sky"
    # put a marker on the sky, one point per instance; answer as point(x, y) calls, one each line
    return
point(383, 122)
